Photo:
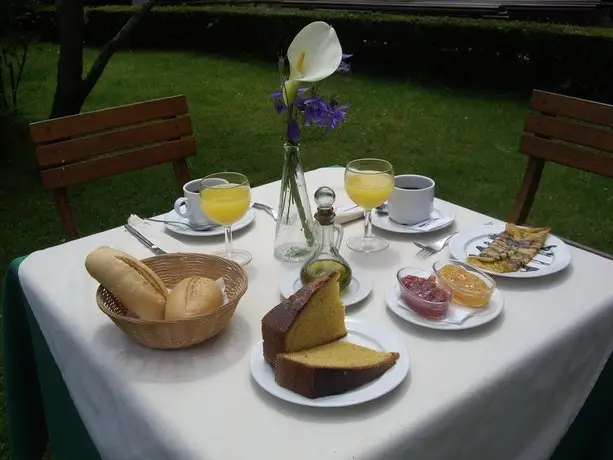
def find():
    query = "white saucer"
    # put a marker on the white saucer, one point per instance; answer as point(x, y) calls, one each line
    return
point(392, 297)
point(183, 229)
point(359, 333)
point(359, 288)
point(440, 211)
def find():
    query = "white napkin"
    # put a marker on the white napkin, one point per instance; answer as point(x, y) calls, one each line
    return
point(155, 235)
point(455, 313)
point(348, 213)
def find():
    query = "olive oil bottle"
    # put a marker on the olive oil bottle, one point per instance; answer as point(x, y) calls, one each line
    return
point(326, 257)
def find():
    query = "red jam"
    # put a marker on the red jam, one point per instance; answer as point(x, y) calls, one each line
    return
point(424, 297)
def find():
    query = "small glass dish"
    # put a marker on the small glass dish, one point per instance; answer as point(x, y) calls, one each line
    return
point(465, 292)
point(421, 292)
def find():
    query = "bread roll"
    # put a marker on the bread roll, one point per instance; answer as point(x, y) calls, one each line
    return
point(194, 296)
point(134, 284)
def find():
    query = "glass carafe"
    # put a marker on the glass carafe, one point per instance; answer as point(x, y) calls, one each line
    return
point(326, 256)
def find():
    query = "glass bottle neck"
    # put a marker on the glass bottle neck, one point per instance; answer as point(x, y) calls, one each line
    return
point(327, 233)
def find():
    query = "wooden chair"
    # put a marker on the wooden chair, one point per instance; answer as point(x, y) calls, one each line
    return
point(568, 131)
point(93, 145)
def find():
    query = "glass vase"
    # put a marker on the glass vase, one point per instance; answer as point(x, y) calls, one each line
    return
point(294, 237)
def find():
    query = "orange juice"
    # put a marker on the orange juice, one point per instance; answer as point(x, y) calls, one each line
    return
point(225, 204)
point(368, 189)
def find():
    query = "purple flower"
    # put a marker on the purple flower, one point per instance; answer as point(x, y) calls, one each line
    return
point(337, 113)
point(315, 112)
point(277, 98)
point(344, 67)
point(323, 115)
point(279, 103)
point(293, 132)
point(313, 109)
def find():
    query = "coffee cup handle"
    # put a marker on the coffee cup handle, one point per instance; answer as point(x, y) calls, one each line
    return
point(178, 203)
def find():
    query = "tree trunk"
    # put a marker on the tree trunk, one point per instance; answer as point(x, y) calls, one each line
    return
point(3, 99)
point(69, 98)
point(109, 49)
point(71, 88)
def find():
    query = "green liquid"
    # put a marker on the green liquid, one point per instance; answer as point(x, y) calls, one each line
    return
point(318, 268)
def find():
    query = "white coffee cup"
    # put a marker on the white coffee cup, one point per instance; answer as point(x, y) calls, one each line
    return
point(191, 199)
point(412, 200)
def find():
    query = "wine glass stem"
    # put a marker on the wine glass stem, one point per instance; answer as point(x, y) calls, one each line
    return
point(367, 224)
point(229, 244)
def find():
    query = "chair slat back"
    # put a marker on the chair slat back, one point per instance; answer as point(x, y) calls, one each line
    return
point(93, 145)
point(107, 119)
point(570, 131)
point(565, 130)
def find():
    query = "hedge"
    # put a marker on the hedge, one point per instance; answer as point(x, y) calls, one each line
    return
point(480, 52)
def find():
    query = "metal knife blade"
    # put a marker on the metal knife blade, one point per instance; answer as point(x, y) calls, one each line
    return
point(140, 237)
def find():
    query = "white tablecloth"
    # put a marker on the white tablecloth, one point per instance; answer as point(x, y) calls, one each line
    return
point(507, 390)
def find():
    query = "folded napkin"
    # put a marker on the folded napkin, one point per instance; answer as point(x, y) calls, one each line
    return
point(455, 314)
point(344, 208)
point(348, 213)
point(155, 234)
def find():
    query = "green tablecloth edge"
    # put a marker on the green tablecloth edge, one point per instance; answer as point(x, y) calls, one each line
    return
point(27, 431)
point(38, 405)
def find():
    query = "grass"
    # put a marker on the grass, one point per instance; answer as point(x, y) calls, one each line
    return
point(466, 140)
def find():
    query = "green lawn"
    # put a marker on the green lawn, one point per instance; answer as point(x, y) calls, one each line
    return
point(467, 141)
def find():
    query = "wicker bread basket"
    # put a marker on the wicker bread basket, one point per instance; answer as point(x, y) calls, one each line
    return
point(172, 268)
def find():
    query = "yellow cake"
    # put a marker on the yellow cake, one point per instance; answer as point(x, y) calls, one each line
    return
point(313, 316)
point(330, 369)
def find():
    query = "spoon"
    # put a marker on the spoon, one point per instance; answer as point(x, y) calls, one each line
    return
point(382, 208)
point(197, 228)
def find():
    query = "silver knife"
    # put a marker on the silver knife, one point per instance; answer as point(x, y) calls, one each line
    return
point(140, 237)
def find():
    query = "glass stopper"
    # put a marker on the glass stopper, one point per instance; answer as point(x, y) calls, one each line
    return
point(325, 197)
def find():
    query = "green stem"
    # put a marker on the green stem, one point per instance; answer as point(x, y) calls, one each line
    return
point(292, 180)
point(295, 193)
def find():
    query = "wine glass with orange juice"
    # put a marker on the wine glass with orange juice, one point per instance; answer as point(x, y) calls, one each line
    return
point(225, 204)
point(368, 182)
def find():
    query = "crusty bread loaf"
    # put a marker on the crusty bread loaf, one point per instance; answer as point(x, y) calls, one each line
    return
point(134, 284)
point(314, 315)
point(193, 296)
point(331, 369)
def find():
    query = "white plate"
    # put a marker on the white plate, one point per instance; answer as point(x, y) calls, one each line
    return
point(392, 296)
point(183, 229)
point(359, 333)
point(555, 253)
point(359, 288)
point(440, 210)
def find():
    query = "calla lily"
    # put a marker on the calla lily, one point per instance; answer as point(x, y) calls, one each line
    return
point(314, 54)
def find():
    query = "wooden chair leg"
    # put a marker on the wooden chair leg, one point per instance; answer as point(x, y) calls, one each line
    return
point(525, 197)
point(63, 206)
point(181, 172)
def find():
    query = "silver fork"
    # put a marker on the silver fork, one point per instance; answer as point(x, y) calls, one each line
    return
point(432, 248)
point(264, 207)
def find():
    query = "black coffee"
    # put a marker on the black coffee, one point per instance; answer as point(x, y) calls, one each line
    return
point(411, 188)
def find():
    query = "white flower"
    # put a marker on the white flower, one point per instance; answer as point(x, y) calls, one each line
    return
point(314, 54)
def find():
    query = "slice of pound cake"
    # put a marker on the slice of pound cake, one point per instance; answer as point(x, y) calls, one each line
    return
point(313, 316)
point(331, 369)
